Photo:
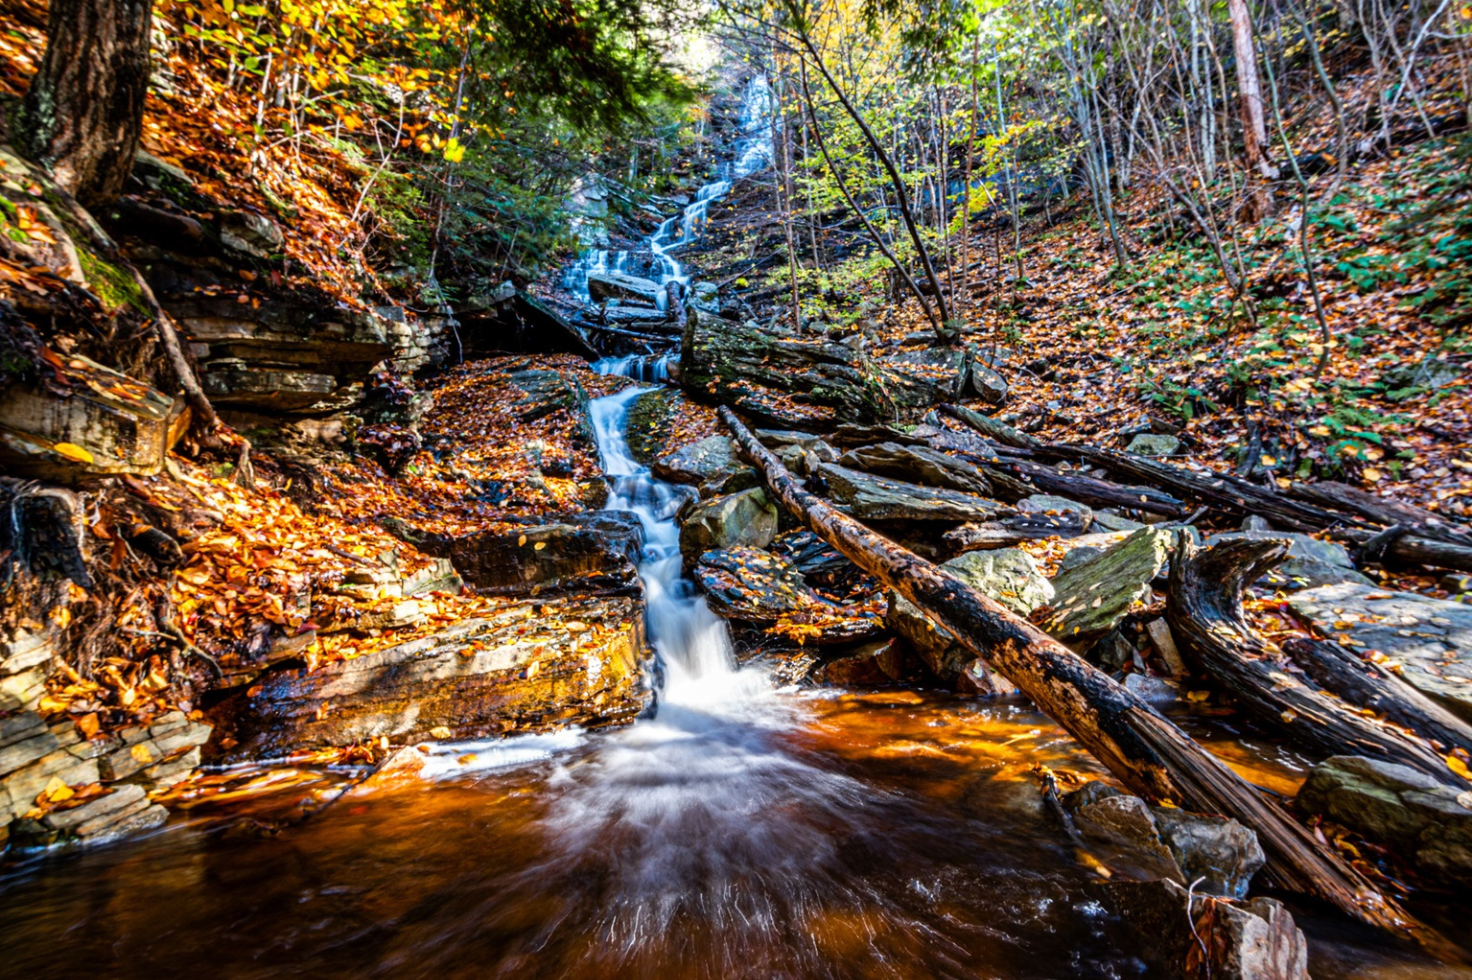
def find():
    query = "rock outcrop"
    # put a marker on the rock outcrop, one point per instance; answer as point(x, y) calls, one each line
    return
point(1428, 822)
point(531, 667)
point(1427, 637)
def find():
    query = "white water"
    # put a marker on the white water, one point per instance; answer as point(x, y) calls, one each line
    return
point(753, 152)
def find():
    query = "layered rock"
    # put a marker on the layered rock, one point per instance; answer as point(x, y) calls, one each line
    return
point(531, 667)
point(1427, 637)
point(1429, 822)
point(88, 420)
point(869, 497)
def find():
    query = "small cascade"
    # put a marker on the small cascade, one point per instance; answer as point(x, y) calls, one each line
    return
point(640, 367)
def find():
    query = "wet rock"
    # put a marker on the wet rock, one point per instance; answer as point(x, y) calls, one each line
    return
point(818, 562)
point(760, 587)
point(1310, 562)
point(918, 464)
point(1091, 598)
point(595, 551)
point(1127, 823)
point(1007, 575)
point(106, 424)
point(876, 664)
point(1426, 821)
point(19, 788)
point(1427, 637)
point(1217, 849)
point(745, 518)
point(869, 497)
point(1150, 444)
point(697, 462)
point(138, 751)
point(617, 285)
point(1046, 504)
point(1254, 940)
point(531, 667)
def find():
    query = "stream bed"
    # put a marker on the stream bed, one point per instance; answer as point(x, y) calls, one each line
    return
point(741, 831)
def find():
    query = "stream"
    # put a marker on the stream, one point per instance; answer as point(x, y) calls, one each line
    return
point(741, 831)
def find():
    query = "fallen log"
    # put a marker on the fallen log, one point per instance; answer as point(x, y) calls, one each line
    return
point(1399, 545)
point(1012, 531)
point(1149, 754)
point(1087, 489)
point(1367, 684)
point(991, 428)
point(1228, 492)
point(1204, 609)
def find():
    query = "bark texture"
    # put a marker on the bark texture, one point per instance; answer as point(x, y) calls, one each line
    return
point(83, 114)
point(1145, 751)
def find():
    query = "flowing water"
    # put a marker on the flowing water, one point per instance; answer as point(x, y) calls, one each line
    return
point(752, 152)
point(741, 832)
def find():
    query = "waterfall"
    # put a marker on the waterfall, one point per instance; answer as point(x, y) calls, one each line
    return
point(752, 153)
point(694, 649)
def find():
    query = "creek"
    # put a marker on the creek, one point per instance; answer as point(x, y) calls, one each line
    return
point(742, 830)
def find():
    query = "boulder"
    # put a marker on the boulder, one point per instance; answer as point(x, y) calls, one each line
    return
point(745, 518)
point(532, 666)
point(759, 587)
point(105, 424)
point(1310, 562)
point(1007, 575)
point(752, 368)
point(1071, 511)
point(1219, 850)
point(986, 383)
point(1427, 637)
point(918, 464)
point(1151, 444)
point(588, 552)
point(617, 285)
point(919, 379)
point(1427, 821)
point(1254, 940)
point(697, 462)
point(869, 497)
point(1092, 597)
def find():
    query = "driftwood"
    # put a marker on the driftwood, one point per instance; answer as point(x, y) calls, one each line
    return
point(1204, 609)
point(1398, 545)
point(1087, 489)
point(1145, 751)
point(1366, 684)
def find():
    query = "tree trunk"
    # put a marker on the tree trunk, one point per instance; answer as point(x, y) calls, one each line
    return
point(1204, 608)
point(1142, 749)
point(83, 114)
point(1254, 125)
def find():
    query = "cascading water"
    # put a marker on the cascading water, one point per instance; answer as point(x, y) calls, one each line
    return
point(752, 153)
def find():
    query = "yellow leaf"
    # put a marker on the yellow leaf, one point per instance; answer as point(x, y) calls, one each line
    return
point(141, 752)
point(57, 791)
point(440, 732)
point(72, 451)
point(1457, 766)
point(61, 616)
point(1372, 475)
point(521, 541)
point(539, 545)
